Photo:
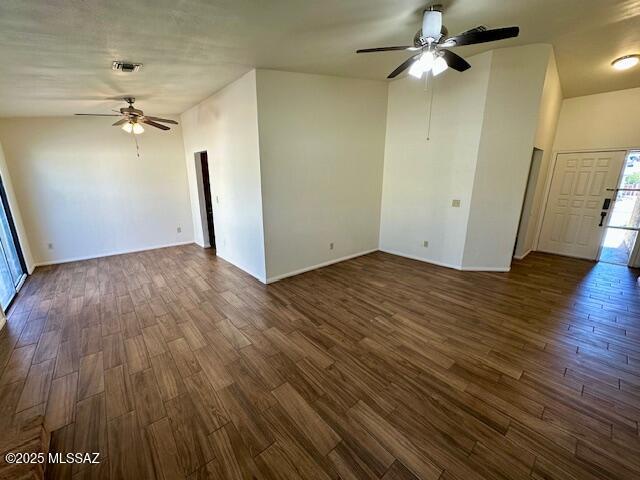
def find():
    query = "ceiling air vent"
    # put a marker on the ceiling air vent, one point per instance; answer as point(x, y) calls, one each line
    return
point(126, 67)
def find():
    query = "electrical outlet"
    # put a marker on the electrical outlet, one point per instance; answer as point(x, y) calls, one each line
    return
point(50, 245)
point(179, 229)
point(331, 246)
point(217, 200)
point(455, 203)
point(425, 244)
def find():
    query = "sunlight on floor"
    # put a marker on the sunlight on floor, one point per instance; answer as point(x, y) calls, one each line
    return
point(617, 246)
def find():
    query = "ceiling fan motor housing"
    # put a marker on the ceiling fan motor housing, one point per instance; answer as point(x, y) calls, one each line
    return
point(131, 111)
point(432, 23)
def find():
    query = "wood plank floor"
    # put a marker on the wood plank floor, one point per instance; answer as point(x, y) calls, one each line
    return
point(174, 364)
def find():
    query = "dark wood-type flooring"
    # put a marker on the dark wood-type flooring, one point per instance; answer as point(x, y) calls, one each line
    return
point(174, 364)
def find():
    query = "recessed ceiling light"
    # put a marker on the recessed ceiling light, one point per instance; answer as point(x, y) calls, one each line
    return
point(626, 62)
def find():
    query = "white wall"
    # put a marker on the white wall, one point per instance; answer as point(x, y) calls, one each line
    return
point(421, 178)
point(484, 126)
point(226, 126)
point(550, 106)
point(603, 121)
point(15, 212)
point(508, 136)
point(81, 187)
point(321, 154)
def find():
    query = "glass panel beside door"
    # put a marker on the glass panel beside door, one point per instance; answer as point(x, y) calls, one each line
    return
point(12, 267)
point(624, 217)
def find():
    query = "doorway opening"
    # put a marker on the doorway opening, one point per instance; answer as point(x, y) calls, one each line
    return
point(206, 204)
point(524, 239)
point(624, 221)
point(13, 270)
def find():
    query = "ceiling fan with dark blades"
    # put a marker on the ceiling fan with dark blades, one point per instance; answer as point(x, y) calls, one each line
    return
point(432, 42)
point(133, 118)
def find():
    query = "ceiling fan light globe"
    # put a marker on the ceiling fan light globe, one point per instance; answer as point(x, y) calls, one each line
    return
point(128, 127)
point(416, 70)
point(426, 60)
point(439, 66)
point(137, 129)
point(422, 65)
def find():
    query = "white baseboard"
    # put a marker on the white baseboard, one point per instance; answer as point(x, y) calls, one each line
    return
point(447, 265)
point(244, 268)
point(521, 257)
point(319, 265)
point(567, 255)
point(420, 259)
point(110, 254)
point(204, 244)
point(486, 269)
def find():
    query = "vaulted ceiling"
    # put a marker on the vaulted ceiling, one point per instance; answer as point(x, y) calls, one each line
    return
point(56, 54)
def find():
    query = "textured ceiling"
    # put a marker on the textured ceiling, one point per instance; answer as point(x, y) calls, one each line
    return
point(56, 54)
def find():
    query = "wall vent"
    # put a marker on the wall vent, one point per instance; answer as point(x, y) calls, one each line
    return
point(126, 67)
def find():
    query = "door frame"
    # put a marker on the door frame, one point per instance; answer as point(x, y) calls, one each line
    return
point(547, 188)
point(12, 226)
point(201, 200)
point(4, 198)
point(208, 200)
point(634, 258)
point(535, 153)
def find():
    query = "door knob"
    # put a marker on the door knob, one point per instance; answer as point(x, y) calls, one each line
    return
point(602, 215)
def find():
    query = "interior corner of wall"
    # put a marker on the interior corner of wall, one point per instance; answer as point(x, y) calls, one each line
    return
point(553, 66)
point(263, 276)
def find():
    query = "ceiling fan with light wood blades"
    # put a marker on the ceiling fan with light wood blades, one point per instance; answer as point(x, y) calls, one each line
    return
point(432, 45)
point(133, 118)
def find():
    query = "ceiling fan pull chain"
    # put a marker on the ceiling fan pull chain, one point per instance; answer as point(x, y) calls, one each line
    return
point(429, 87)
point(135, 139)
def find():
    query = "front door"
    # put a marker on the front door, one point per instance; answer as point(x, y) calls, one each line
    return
point(575, 216)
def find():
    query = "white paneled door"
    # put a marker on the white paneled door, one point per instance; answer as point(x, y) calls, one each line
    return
point(576, 214)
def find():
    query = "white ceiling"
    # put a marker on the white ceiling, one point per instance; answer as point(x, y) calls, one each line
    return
point(55, 55)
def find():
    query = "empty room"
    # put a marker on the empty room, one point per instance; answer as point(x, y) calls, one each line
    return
point(356, 239)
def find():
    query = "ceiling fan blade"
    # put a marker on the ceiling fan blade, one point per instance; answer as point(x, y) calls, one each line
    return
point(403, 66)
point(481, 36)
point(386, 49)
point(120, 122)
point(163, 120)
point(455, 61)
point(153, 124)
point(98, 114)
point(479, 28)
